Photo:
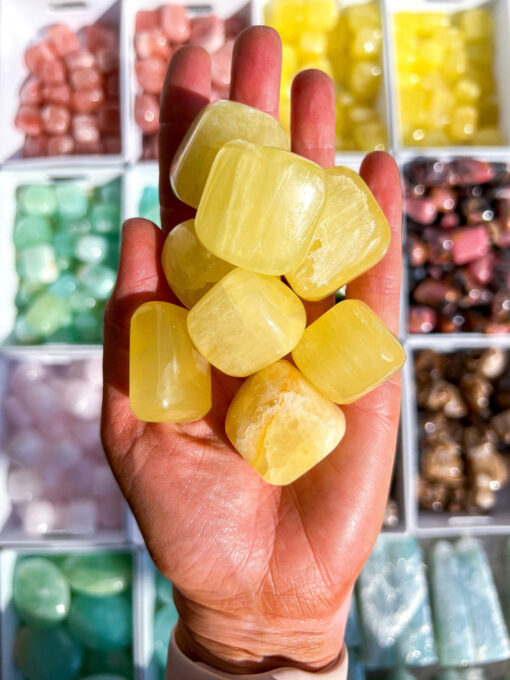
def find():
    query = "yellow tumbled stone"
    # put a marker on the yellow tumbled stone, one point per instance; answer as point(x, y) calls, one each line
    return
point(347, 352)
point(281, 425)
point(467, 91)
point(364, 79)
point(246, 322)
point(218, 123)
point(190, 269)
point(464, 123)
point(366, 43)
point(312, 46)
point(476, 24)
point(351, 236)
point(260, 207)
point(168, 379)
point(320, 15)
point(370, 135)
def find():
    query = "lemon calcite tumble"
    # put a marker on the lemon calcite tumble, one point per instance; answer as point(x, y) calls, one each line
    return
point(352, 235)
point(281, 425)
point(260, 207)
point(168, 379)
point(246, 322)
point(218, 123)
point(347, 352)
point(190, 269)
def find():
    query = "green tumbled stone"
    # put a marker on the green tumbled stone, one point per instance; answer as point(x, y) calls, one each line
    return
point(48, 314)
point(64, 286)
point(91, 248)
point(110, 191)
point(105, 218)
point(164, 622)
point(88, 327)
point(38, 199)
point(47, 654)
point(26, 293)
point(64, 244)
point(98, 574)
point(98, 279)
point(24, 333)
point(73, 227)
point(37, 264)
point(81, 300)
point(31, 230)
point(164, 589)
point(40, 592)
point(72, 200)
point(101, 622)
point(114, 661)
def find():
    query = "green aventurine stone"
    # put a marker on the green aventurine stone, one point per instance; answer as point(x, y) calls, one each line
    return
point(110, 191)
point(98, 279)
point(105, 218)
point(81, 300)
point(91, 248)
point(26, 293)
point(164, 590)
point(72, 201)
point(37, 264)
point(31, 230)
point(40, 592)
point(64, 244)
point(165, 620)
point(114, 661)
point(38, 199)
point(47, 314)
point(64, 286)
point(47, 654)
point(88, 327)
point(24, 333)
point(101, 622)
point(98, 574)
point(78, 227)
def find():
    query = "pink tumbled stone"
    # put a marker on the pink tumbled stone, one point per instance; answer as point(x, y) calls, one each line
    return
point(43, 403)
point(175, 22)
point(152, 43)
point(60, 145)
point(81, 399)
point(422, 320)
point(87, 101)
point(63, 39)
point(85, 78)
point(109, 118)
point(98, 36)
point(103, 481)
point(29, 120)
point(146, 19)
point(107, 59)
point(35, 146)
point(87, 434)
point(88, 148)
point(208, 32)
point(26, 447)
point(449, 220)
point(80, 59)
point(151, 74)
point(112, 86)
point(37, 55)
point(39, 517)
point(31, 91)
point(65, 452)
point(57, 428)
point(85, 129)
point(24, 375)
point(421, 210)
point(111, 512)
point(221, 64)
point(59, 94)
point(53, 72)
point(56, 119)
point(16, 412)
point(482, 269)
point(147, 113)
point(80, 517)
point(76, 479)
point(23, 484)
point(470, 244)
point(112, 144)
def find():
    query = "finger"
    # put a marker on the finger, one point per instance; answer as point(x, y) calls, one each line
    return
point(312, 120)
point(257, 69)
point(380, 286)
point(313, 136)
point(186, 90)
point(140, 278)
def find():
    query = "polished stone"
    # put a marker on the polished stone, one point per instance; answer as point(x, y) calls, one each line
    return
point(101, 623)
point(40, 592)
point(98, 574)
point(47, 654)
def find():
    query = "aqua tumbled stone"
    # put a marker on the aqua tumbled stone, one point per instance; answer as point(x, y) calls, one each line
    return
point(47, 314)
point(38, 264)
point(64, 286)
point(88, 327)
point(101, 622)
point(47, 654)
point(91, 248)
point(72, 200)
point(113, 661)
point(31, 230)
point(164, 589)
point(105, 218)
point(98, 279)
point(38, 199)
point(98, 574)
point(110, 191)
point(64, 244)
point(164, 622)
point(40, 592)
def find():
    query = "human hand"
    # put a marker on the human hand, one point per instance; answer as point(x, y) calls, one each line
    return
point(263, 575)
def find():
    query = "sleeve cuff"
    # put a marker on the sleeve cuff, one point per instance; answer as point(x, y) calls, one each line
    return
point(179, 667)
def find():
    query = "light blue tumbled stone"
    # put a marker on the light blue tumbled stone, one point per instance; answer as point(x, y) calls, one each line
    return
point(64, 286)
point(47, 654)
point(164, 622)
point(101, 622)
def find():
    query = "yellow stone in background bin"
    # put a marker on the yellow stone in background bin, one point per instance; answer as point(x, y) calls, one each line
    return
point(281, 425)
point(260, 207)
point(246, 322)
point(347, 352)
point(190, 269)
point(218, 123)
point(168, 379)
point(352, 235)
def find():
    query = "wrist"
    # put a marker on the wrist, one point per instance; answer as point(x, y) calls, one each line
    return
point(242, 643)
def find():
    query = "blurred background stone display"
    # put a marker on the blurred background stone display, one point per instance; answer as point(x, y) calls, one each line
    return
point(69, 103)
point(58, 482)
point(66, 237)
point(445, 77)
point(458, 245)
point(344, 41)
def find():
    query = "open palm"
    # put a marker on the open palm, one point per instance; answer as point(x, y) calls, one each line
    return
point(263, 574)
